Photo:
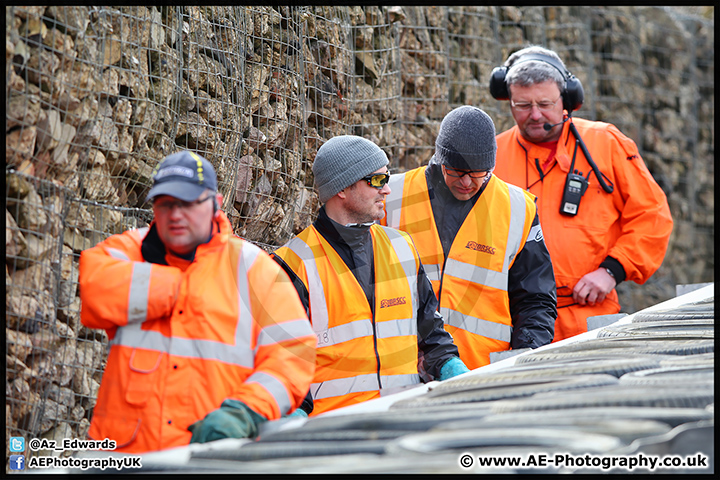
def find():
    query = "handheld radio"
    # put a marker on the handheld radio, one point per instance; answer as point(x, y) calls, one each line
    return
point(575, 187)
point(575, 183)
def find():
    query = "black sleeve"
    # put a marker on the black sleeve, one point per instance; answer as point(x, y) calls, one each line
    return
point(307, 404)
point(531, 289)
point(297, 283)
point(435, 344)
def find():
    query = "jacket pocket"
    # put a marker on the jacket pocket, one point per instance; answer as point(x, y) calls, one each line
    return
point(123, 430)
point(143, 375)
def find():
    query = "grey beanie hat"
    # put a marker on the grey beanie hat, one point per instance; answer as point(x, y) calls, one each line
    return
point(342, 161)
point(466, 140)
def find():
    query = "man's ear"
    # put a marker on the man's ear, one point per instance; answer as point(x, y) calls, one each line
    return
point(217, 201)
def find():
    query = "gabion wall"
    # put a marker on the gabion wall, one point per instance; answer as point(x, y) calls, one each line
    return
point(97, 96)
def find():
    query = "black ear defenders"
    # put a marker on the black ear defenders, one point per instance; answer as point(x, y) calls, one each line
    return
point(572, 95)
point(215, 204)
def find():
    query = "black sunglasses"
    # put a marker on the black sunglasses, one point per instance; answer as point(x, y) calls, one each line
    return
point(377, 180)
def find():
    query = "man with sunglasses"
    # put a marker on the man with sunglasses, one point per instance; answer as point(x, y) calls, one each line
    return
point(480, 242)
point(606, 235)
point(369, 301)
point(201, 348)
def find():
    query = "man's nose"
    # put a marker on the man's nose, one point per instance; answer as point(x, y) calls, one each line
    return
point(535, 112)
point(465, 180)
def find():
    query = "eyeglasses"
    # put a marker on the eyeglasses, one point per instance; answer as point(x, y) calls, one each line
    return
point(377, 180)
point(452, 172)
point(167, 205)
point(543, 106)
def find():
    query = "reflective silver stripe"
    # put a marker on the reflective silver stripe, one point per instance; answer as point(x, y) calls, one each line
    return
point(316, 291)
point(139, 287)
point(517, 225)
point(432, 270)
point(139, 292)
point(114, 252)
point(396, 328)
point(393, 202)
point(133, 336)
point(237, 353)
point(274, 387)
point(281, 332)
point(475, 274)
point(244, 328)
point(535, 234)
point(343, 386)
point(405, 253)
point(361, 383)
point(343, 333)
point(478, 326)
point(394, 381)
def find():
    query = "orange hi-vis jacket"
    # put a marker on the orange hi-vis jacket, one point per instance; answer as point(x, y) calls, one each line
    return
point(188, 335)
point(632, 224)
point(472, 283)
point(359, 356)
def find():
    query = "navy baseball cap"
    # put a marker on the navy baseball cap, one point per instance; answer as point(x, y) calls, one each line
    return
point(184, 175)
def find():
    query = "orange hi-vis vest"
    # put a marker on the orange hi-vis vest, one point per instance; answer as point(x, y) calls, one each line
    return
point(183, 338)
point(472, 283)
point(359, 357)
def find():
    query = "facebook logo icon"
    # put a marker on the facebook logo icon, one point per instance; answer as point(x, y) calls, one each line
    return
point(17, 462)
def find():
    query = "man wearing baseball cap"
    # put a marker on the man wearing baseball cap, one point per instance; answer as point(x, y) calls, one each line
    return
point(370, 303)
point(480, 241)
point(200, 347)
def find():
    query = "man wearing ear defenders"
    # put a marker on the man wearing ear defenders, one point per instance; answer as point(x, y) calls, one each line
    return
point(370, 303)
point(480, 242)
point(208, 338)
point(604, 217)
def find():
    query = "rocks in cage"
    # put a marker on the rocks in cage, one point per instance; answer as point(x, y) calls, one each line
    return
point(67, 285)
point(18, 344)
point(209, 108)
point(21, 398)
point(39, 248)
point(97, 184)
point(56, 434)
point(46, 417)
point(146, 119)
point(243, 179)
point(22, 110)
point(99, 132)
point(193, 132)
point(15, 241)
point(70, 314)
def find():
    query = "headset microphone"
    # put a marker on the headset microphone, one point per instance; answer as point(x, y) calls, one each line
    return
point(550, 126)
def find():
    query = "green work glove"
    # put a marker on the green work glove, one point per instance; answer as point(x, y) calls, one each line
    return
point(298, 413)
point(233, 419)
point(453, 368)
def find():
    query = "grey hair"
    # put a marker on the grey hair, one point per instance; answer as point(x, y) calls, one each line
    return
point(533, 71)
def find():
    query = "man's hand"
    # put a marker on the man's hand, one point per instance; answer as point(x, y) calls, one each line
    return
point(593, 287)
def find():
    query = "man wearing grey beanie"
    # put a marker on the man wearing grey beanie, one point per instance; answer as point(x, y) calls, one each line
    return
point(480, 241)
point(369, 300)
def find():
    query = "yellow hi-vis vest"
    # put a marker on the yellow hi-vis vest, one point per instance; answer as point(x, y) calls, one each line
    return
point(472, 283)
point(359, 357)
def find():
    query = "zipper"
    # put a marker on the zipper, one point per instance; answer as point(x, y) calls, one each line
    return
point(375, 347)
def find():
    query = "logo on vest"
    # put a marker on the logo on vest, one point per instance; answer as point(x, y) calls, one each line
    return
point(480, 247)
point(391, 302)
